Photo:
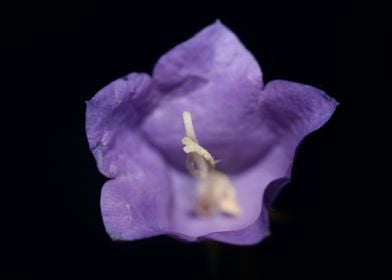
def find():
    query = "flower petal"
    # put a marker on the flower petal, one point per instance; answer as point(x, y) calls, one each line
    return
point(137, 205)
point(112, 114)
point(294, 109)
point(214, 77)
point(213, 53)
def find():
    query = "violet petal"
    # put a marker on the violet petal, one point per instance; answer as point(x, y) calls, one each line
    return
point(114, 113)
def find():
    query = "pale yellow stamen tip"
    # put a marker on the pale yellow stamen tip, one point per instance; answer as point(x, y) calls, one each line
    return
point(191, 146)
point(215, 192)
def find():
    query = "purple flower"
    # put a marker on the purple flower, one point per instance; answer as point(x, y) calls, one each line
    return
point(191, 150)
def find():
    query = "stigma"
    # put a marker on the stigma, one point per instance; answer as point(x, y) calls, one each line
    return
point(214, 192)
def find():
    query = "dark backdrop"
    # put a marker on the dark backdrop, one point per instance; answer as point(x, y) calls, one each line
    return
point(62, 54)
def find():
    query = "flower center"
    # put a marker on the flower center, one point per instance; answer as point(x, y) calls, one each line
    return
point(215, 193)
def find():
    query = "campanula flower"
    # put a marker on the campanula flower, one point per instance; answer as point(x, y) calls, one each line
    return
point(199, 149)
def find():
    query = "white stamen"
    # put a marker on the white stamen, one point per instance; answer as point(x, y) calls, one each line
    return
point(215, 191)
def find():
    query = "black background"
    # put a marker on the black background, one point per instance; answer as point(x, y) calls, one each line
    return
point(60, 55)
